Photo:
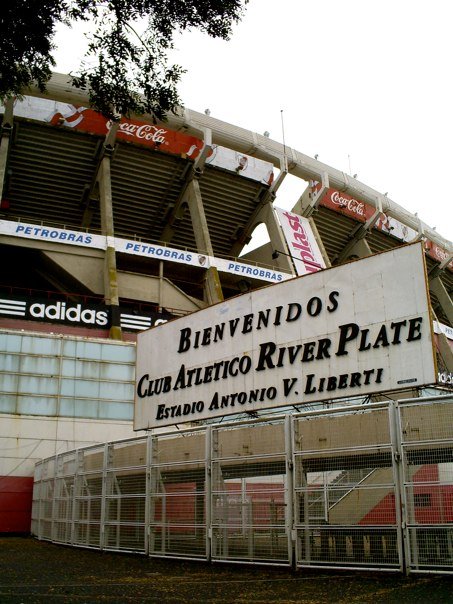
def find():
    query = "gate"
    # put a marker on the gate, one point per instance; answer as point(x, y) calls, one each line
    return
point(426, 432)
point(251, 498)
point(345, 488)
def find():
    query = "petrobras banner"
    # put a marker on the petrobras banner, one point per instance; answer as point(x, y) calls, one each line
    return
point(160, 252)
point(302, 245)
point(442, 328)
point(138, 248)
point(352, 330)
point(52, 234)
point(248, 270)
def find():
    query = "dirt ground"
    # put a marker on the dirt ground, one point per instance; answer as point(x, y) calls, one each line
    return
point(35, 572)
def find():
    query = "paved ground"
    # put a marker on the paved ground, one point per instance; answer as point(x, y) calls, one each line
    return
point(36, 572)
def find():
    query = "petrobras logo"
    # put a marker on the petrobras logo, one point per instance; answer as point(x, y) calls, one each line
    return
point(63, 312)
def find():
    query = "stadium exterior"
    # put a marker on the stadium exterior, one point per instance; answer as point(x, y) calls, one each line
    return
point(109, 229)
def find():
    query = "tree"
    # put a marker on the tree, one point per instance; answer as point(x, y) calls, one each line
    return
point(131, 72)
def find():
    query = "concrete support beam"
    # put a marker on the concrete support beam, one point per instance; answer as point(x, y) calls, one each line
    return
point(212, 286)
point(257, 217)
point(177, 212)
point(6, 130)
point(357, 246)
point(110, 272)
point(309, 200)
point(278, 242)
point(438, 289)
point(445, 351)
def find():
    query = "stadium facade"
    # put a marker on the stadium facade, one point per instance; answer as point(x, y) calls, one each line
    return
point(108, 229)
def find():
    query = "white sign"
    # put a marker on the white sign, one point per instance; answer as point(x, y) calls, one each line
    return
point(160, 252)
point(53, 234)
point(351, 330)
point(249, 270)
point(138, 248)
point(442, 328)
point(301, 242)
point(242, 164)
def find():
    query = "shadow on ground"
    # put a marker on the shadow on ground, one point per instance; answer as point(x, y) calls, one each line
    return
point(35, 572)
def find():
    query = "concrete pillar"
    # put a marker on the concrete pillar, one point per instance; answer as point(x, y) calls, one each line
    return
point(438, 289)
point(110, 272)
point(212, 286)
point(277, 238)
point(7, 127)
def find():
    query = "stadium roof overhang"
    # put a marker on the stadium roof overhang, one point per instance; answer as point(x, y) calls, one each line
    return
point(53, 177)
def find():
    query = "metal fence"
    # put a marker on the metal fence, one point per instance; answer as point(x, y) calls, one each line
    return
point(364, 487)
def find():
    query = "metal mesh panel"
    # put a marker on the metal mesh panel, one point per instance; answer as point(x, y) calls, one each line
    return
point(249, 494)
point(65, 468)
point(88, 488)
point(36, 500)
point(358, 487)
point(63, 508)
point(345, 489)
point(177, 496)
point(45, 509)
point(427, 452)
point(125, 496)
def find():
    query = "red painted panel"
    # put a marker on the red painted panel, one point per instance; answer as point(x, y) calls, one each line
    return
point(15, 503)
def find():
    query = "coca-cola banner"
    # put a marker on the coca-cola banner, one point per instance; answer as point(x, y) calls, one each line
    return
point(142, 133)
point(347, 205)
point(87, 120)
point(302, 245)
point(435, 252)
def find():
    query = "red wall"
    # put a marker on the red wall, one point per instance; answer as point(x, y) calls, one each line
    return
point(15, 504)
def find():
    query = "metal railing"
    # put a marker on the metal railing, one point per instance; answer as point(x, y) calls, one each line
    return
point(358, 487)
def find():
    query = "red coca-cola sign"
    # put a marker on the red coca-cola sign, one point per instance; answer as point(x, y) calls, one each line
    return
point(347, 205)
point(438, 253)
point(131, 130)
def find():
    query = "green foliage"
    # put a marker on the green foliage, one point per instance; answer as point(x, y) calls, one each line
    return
point(128, 72)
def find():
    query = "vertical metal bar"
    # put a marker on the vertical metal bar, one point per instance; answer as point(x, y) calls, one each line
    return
point(289, 490)
point(400, 501)
point(148, 498)
point(208, 492)
point(103, 496)
point(54, 505)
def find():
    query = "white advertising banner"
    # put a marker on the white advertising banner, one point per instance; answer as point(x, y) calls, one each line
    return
point(138, 248)
point(52, 234)
point(352, 330)
point(160, 252)
point(249, 270)
point(242, 164)
point(301, 242)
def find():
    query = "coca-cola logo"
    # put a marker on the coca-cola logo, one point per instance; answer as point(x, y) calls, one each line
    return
point(439, 253)
point(146, 132)
point(357, 207)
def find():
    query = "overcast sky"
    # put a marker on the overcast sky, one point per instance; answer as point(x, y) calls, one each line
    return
point(366, 85)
